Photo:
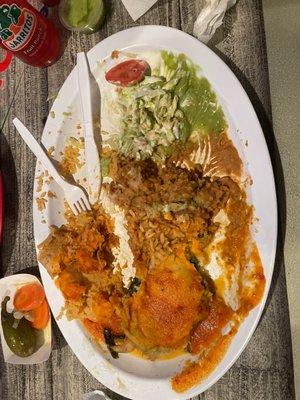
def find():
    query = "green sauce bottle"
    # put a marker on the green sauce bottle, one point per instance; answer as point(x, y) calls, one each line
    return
point(85, 16)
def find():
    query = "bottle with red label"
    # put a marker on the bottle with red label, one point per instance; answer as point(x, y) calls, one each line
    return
point(30, 36)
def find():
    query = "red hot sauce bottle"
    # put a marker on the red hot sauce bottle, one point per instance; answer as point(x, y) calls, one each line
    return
point(27, 34)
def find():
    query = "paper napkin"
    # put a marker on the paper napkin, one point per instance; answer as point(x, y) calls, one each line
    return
point(137, 8)
point(210, 18)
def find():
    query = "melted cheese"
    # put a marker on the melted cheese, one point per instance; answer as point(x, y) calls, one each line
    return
point(215, 266)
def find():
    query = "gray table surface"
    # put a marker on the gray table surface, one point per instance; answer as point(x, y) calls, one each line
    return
point(265, 369)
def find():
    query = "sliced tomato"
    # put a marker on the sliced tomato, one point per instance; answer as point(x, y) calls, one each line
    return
point(127, 73)
point(29, 297)
point(40, 316)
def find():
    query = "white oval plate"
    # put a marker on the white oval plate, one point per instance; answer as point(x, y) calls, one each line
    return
point(129, 376)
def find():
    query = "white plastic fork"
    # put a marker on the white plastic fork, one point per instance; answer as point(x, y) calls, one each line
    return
point(74, 195)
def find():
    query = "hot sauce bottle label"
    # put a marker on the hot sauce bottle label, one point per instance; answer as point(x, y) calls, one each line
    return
point(16, 26)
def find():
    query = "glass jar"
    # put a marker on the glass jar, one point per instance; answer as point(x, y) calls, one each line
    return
point(85, 16)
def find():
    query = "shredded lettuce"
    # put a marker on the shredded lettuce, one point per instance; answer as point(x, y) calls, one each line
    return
point(152, 120)
point(165, 108)
point(197, 99)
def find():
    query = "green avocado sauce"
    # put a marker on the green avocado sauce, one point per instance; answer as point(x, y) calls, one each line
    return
point(197, 99)
point(84, 14)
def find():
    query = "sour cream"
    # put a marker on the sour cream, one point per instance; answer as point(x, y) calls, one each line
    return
point(123, 254)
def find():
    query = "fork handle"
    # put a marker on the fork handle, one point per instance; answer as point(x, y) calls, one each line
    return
point(38, 151)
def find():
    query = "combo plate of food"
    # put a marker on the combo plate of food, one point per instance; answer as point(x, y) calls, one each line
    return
point(159, 288)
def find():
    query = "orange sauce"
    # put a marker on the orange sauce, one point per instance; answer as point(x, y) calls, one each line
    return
point(194, 373)
point(250, 297)
point(207, 338)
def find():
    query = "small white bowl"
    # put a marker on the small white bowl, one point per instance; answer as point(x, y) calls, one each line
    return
point(8, 287)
